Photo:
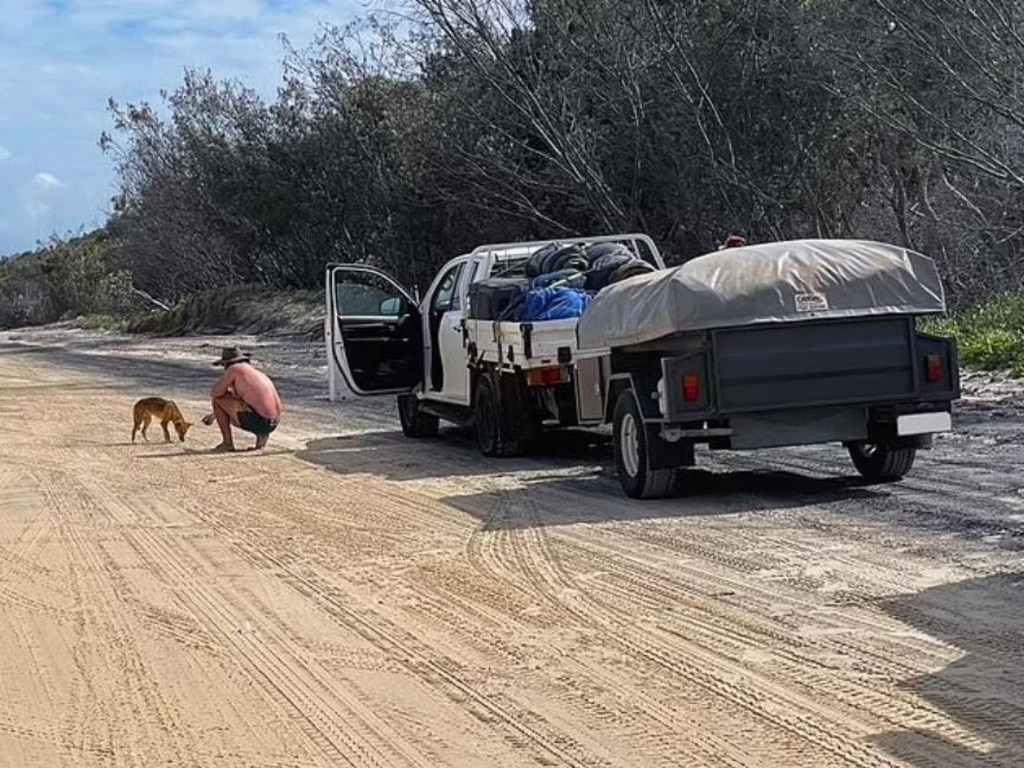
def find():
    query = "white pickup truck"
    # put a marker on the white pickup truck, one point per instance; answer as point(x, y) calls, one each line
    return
point(444, 364)
point(790, 343)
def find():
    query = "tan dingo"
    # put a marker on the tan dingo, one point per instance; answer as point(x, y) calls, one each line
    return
point(167, 411)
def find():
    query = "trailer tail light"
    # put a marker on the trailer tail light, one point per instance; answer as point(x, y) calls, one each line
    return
point(933, 368)
point(691, 388)
point(539, 377)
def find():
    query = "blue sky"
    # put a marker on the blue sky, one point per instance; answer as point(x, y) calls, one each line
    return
point(60, 60)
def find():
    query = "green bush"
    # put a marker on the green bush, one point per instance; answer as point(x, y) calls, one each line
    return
point(990, 337)
point(65, 279)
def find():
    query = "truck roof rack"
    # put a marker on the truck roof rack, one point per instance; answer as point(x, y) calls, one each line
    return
point(522, 250)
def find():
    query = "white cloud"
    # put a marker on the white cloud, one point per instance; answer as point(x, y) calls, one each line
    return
point(37, 195)
point(44, 180)
point(4, 153)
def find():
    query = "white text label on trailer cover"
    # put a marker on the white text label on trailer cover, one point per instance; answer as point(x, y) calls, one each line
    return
point(811, 302)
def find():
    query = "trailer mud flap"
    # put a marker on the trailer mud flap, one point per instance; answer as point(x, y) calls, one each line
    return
point(666, 455)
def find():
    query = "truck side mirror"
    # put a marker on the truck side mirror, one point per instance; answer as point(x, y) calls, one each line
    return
point(391, 307)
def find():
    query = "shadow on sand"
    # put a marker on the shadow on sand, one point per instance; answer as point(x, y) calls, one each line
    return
point(984, 690)
point(571, 479)
point(185, 453)
point(140, 374)
point(453, 454)
point(135, 370)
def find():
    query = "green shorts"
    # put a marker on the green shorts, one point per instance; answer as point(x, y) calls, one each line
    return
point(251, 421)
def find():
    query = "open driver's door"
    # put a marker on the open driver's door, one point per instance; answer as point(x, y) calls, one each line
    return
point(373, 331)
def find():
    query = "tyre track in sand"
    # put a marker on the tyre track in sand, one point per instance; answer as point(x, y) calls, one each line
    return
point(522, 729)
point(848, 750)
point(114, 678)
point(930, 497)
point(500, 552)
point(19, 570)
point(427, 663)
point(18, 491)
point(512, 714)
point(35, 739)
point(800, 661)
point(338, 723)
point(435, 668)
point(792, 702)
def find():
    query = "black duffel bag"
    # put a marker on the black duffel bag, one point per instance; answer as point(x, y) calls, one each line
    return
point(497, 298)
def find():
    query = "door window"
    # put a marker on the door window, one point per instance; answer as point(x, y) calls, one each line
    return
point(365, 294)
point(446, 296)
point(462, 293)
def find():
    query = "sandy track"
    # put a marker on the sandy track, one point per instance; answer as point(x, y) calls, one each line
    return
point(354, 598)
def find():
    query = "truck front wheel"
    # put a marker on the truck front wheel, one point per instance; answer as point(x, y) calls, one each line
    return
point(629, 445)
point(882, 462)
point(415, 423)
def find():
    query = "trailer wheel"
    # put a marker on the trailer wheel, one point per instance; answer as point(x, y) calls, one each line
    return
point(415, 423)
point(629, 445)
point(882, 462)
point(499, 430)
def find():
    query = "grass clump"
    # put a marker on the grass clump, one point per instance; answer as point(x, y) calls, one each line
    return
point(100, 322)
point(990, 337)
point(237, 310)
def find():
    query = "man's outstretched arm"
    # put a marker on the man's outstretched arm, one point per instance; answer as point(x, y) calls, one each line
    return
point(223, 384)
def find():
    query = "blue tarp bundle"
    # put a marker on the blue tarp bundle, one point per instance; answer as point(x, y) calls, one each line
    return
point(556, 303)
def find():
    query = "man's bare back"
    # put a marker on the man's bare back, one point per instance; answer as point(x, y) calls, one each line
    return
point(252, 386)
point(243, 397)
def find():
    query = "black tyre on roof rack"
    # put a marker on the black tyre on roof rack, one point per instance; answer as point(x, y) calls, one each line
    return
point(562, 258)
point(596, 251)
point(534, 264)
point(604, 265)
point(630, 269)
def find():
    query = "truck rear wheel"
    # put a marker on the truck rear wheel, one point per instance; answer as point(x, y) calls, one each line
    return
point(501, 430)
point(415, 423)
point(629, 446)
point(882, 462)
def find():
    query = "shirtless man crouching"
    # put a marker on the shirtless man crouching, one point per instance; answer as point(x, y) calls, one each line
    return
point(243, 397)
